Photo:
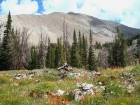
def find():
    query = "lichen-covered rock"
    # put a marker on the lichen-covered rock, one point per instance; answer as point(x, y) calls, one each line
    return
point(83, 90)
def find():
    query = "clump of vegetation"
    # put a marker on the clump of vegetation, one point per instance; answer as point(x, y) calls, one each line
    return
point(123, 101)
point(4, 80)
point(41, 88)
point(103, 79)
point(113, 90)
point(50, 76)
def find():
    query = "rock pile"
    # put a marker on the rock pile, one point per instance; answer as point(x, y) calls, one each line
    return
point(127, 75)
point(82, 90)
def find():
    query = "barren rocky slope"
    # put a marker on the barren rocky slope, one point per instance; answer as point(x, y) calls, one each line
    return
point(52, 26)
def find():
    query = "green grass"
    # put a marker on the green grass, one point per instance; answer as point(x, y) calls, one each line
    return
point(114, 94)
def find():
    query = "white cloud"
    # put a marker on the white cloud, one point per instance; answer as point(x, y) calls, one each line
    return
point(24, 7)
point(127, 11)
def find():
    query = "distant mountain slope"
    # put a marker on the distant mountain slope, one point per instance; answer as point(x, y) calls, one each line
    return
point(52, 26)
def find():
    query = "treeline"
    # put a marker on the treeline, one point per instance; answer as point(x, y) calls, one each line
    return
point(131, 39)
point(17, 53)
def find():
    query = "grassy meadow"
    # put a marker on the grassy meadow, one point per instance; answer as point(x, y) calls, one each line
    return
point(35, 91)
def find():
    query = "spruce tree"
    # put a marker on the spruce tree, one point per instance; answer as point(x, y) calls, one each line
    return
point(59, 53)
point(80, 48)
point(34, 62)
point(5, 64)
point(74, 52)
point(118, 50)
point(50, 57)
point(84, 51)
point(92, 63)
point(68, 54)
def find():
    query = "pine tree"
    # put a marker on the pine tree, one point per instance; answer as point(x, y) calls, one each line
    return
point(34, 62)
point(5, 64)
point(50, 57)
point(59, 53)
point(92, 63)
point(80, 49)
point(117, 52)
point(75, 57)
point(84, 51)
point(13, 45)
point(68, 54)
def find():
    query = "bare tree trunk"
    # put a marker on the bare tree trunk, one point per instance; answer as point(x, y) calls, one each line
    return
point(23, 48)
point(1, 24)
point(102, 58)
point(18, 46)
point(42, 49)
point(65, 36)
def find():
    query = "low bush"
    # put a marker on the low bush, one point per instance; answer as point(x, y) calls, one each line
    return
point(113, 90)
point(39, 89)
point(50, 77)
point(4, 80)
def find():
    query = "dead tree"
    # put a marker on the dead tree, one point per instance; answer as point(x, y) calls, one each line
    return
point(24, 51)
point(1, 24)
point(65, 36)
point(42, 48)
point(19, 50)
point(64, 71)
point(102, 59)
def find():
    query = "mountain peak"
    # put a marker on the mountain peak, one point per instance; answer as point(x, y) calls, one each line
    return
point(52, 25)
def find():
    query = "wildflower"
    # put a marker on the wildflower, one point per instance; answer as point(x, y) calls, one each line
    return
point(43, 98)
point(85, 76)
point(34, 95)
point(96, 94)
point(65, 101)
point(24, 95)
point(77, 79)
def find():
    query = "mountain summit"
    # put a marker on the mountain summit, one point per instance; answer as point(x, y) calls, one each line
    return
point(52, 26)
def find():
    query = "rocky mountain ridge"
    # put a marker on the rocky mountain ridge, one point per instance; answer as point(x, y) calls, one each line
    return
point(52, 26)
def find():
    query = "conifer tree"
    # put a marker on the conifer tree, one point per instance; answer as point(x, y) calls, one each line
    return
point(5, 64)
point(13, 45)
point(34, 62)
point(59, 53)
point(74, 52)
point(50, 57)
point(68, 54)
point(117, 52)
point(80, 49)
point(84, 51)
point(92, 63)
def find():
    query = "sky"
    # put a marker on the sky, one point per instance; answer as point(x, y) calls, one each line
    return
point(126, 12)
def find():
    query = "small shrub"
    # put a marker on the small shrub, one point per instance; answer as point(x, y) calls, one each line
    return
point(39, 89)
point(25, 82)
point(50, 77)
point(123, 101)
point(112, 90)
point(53, 72)
point(136, 69)
point(103, 79)
point(4, 80)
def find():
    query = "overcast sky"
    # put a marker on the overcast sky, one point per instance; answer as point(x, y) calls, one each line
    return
point(126, 12)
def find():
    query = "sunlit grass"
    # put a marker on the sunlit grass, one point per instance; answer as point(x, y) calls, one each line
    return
point(21, 92)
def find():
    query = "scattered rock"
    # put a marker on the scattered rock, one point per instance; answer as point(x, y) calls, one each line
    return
point(83, 90)
point(60, 92)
